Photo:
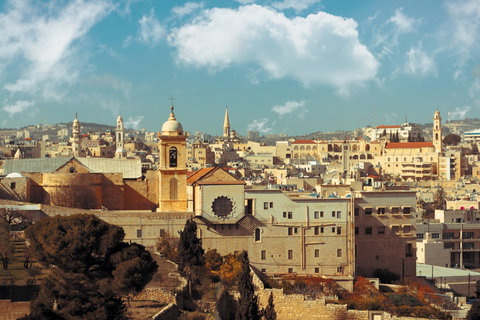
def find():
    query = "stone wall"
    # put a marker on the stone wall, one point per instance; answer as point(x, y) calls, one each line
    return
point(170, 312)
point(13, 310)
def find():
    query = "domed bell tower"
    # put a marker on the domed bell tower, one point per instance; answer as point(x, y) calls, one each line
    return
point(437, 131)
point(172, 178)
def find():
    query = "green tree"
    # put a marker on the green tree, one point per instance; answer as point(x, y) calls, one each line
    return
point(269, 312)
point(168, 247)
point(248, 302)
point(474, 312)
point(452, 139)
point(190, 254)
point(7, 248)
point(213, 263)
point(93, 268)
point(438, 198)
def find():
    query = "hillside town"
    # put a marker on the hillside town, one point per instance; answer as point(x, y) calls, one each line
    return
point(386, 201)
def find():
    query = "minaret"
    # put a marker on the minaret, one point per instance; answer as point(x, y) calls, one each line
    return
point(437, 131)
point(226, 125)
point(120, 132)
point(76, 138)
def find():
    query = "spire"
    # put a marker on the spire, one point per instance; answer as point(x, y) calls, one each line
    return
point(226, 124)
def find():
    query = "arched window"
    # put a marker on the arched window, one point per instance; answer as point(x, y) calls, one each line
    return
point(436, 136)
point(72, 170)
point(409, 250)
point(173, 157)
point(173, 189)
point(367, 147)
point(362, 156)
point(258, 235)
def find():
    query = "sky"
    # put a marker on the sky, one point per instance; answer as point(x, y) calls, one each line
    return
point(281, 66)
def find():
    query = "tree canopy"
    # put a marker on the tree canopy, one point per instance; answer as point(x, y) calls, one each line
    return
point(248, 302)
point(452, 139)
point(93, 267)
point(190, 254)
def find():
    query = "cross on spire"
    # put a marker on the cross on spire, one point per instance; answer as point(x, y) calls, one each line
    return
point(171, 99)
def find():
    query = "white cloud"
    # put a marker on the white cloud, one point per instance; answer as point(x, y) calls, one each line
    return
point(290, 107)
point(460, 113)
point(419, 63)
point(320, 49)
point(403, 24)
point(297, 5)
point(260, 125)
point(151, 31)
point(18, 107)
point(44, 39)
point(187, 8)
point(133, 122)
point(245, 1)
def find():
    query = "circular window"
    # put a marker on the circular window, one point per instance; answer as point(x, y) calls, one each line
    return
point(222, 206)
point(72, 170)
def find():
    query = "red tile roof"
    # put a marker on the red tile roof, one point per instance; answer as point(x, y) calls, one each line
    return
point(197, 175)
point(303, 141)
point(408, 145)
point(389, 127)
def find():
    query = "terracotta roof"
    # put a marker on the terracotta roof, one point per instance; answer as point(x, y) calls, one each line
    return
point(197, 175)
point(389, 127)
point(303, 141)
point(408, 145)
point(220, 182)
point(28, 138)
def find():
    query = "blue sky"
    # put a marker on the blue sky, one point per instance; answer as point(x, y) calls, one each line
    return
point(288, 66)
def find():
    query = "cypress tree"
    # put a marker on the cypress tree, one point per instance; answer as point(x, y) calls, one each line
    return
point(269, 312)
point(248, 302)
point(190, 254)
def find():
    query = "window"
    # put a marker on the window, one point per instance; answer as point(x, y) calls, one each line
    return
point(284, 214)
point(271, 204)
point(333, 229)
point(381, 210)
point(420, 236)
point(264, 270)
point(289, 215)
point(468, 245)
point(339, 269)
point(290, 270)
point(356, 211)
point(377, 257)
point(317, 270)
point(468, 235)
point(265, 205)
point(381, 229)
point(321, 229)
point(222, 206)
point(406, 229)
point(139, 233)
point(448, 235)
point(290, 254)
point(257, 234)
point(315, 215)
point(339, 230)
point(162, 233)
point(435, 235)
point(339, 253)
point(317, 253)
point(406, 210)
point(357, 230)
point(333, 214)
point(317, 229)
point(395, 229)
point(409, 250)
point(368, 211)
point(12, 185)
point(72, 170)
point(394, 210)
point(263, 254)
point(173, 189)
point(295, 230)
point(368, 230)
point(173, 157)
point(290, 231)
point(448, 246)
point(321, 214)
point(339, 214)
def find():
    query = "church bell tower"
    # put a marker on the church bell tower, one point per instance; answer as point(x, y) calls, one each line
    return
point(437, 131)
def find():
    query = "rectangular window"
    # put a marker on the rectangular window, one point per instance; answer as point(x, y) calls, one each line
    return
point(339, 230)
point(139, 233)
point(315, 215)
point(264, 254)
point(333, 214)
point(406, 229)
point(295, 230)
point(406, 210)
point(339, 253)
point(317, 253)
point(395, 229)
point(289, 215)
point(321, 229)
point(264, 270)
point(420, 236)
point(368, 211)
point(467, 235)
point(380, 211)
point(162, 233)
point(339, 214)
point(468, 245)
point(317, 231)
point(357, 230)
point(368, 230)
point(448, 246)
point(321, 214)
point(317, 270)
point(448, 235)
point(284, 214)
point(12, 185)
point(333, 229)
point(290, 254)
point(356, 211)
point(435, 235)
point(290, 270)
point(339, 269)
point(381, 230)
point(394, 210)
point(271, 204)
point(290, 231)
point(377, 257)
point(265, 205)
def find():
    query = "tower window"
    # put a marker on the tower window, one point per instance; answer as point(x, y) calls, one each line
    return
point(173, 157)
